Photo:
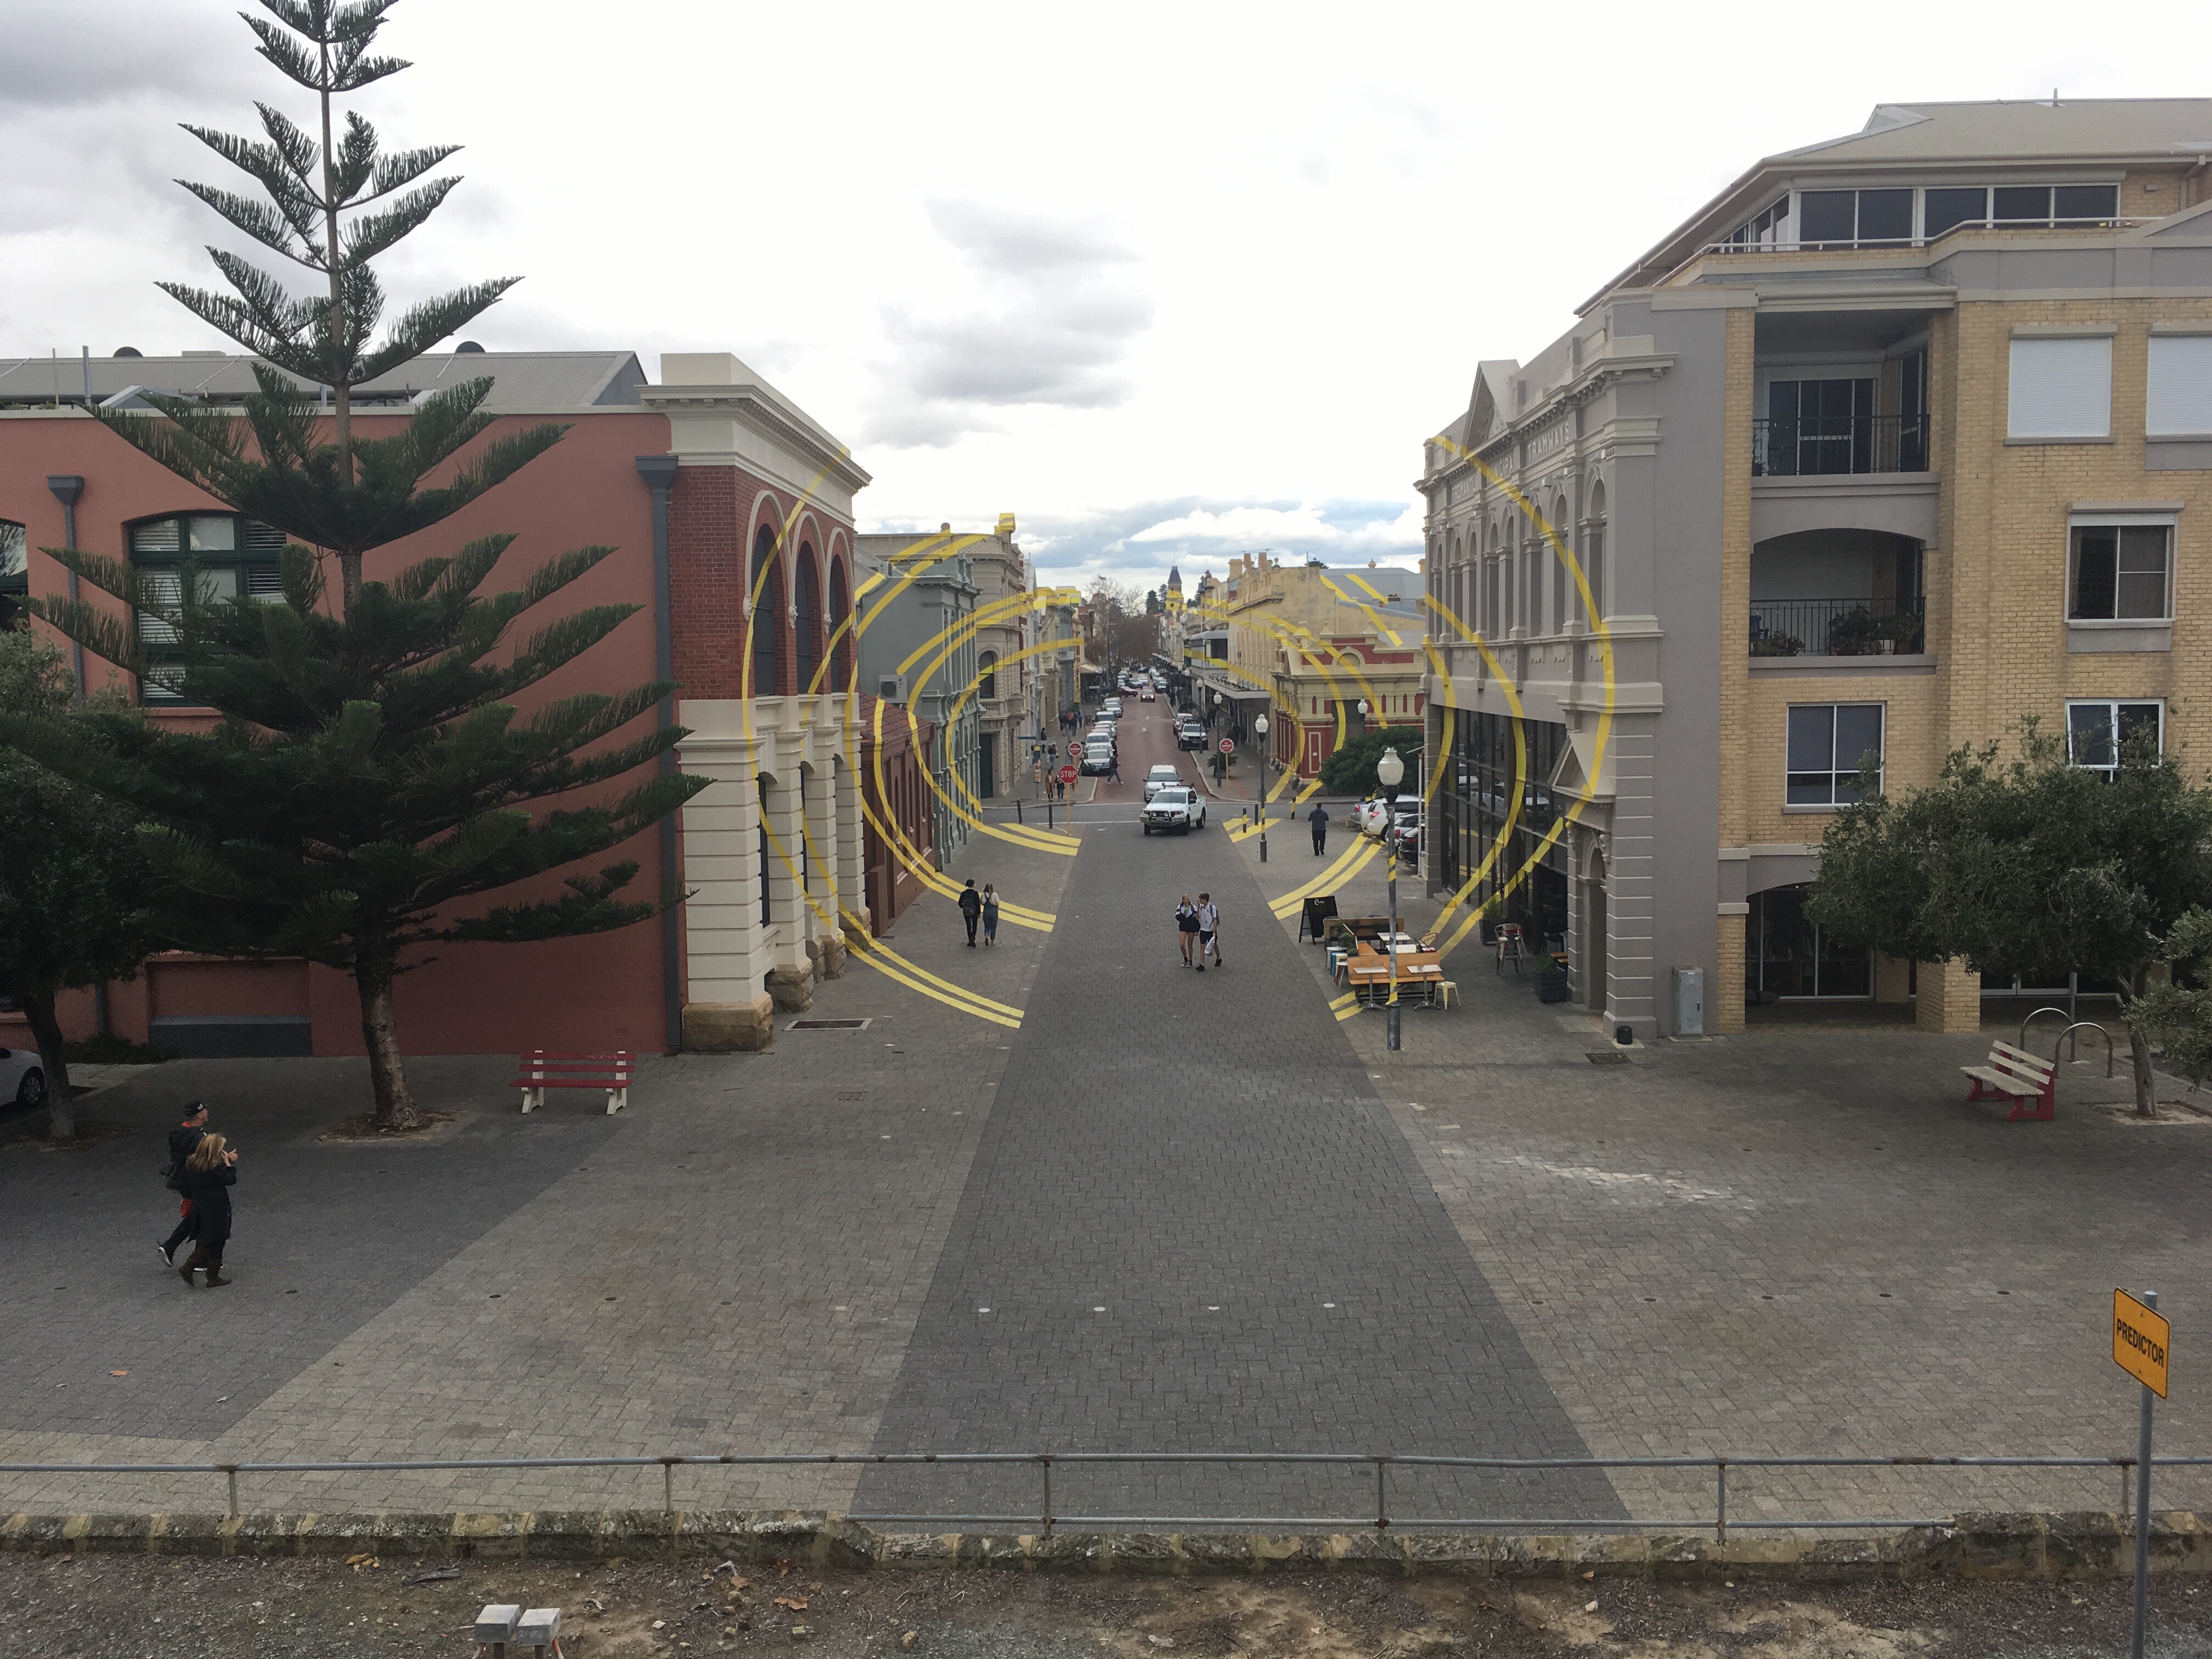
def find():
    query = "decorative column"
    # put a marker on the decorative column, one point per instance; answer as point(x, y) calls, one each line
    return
point(854, 918)
point(790, 979)
point(727, 949)
point(825, 940)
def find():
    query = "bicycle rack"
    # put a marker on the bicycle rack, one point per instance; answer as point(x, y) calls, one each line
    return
point(2068, 1037)
point(2038, 1014)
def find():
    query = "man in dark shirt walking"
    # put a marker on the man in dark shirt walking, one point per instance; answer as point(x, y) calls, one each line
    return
point(182, 1139)
point(1319, 818)
point(971, 909)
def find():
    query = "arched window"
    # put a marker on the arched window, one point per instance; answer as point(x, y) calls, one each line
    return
point(809, 618)
point(766, 589)
point(14, 567)
point(1594, 549)
point(987, 682)
point(1562, 587)
point(841, 624)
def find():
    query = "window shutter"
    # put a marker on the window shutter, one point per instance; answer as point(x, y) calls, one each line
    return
point(2061, 388)
point(2180, 385)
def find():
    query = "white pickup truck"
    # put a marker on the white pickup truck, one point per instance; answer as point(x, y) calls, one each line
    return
point(1180, 808)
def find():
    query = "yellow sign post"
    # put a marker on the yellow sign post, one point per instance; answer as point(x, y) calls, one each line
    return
point(2139, 1342)
point(2140, 1347)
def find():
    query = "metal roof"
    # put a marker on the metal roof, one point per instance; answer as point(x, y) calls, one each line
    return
point(523, 382)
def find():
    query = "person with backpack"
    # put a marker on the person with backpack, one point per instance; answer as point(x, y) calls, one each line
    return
point(1186, 917)
point(1209, 932)
point(971, 909)
point(213, 1170)
point(182, 1139)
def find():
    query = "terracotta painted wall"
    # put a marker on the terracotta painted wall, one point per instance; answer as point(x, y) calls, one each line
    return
point(601, 992)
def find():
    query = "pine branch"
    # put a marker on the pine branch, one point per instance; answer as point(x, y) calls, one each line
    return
point(425, 324)
point(371, 233)
point(258, 220)
point(396, 171)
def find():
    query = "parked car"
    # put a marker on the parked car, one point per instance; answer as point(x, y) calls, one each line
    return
point(1190, 737)
point(1162, 776)
point(1181, 808)
point(22, 1080)
point(1113, 707)
point(1405, 829)
point(1097, 758)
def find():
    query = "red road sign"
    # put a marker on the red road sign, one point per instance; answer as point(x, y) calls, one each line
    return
point(1067, 775)
point(1229, 745)
point(1075, 751)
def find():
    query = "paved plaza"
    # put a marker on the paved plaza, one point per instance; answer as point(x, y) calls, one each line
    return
point(1167, 1213)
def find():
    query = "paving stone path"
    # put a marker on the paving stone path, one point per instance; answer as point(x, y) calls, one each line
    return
point(1798, 1241)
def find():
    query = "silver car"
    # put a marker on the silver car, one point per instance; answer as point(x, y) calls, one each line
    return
point(1161, 777)
point(1178, 808)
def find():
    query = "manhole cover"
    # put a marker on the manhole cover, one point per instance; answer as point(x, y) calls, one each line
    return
point(1608, 1057)
point(827, 1025)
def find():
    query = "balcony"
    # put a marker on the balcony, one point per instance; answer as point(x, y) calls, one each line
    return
point(1836, 445)
point(1872, 627)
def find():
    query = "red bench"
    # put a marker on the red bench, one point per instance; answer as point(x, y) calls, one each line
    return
point(2029, 1081)
point(542, 1069)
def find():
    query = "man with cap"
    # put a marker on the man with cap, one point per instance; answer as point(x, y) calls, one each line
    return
point(182, 1139)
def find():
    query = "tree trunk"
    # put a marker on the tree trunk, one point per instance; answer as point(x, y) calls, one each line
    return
point(47, 1031)
point(2139, 1057)
point(373, 969)
point(341, 390)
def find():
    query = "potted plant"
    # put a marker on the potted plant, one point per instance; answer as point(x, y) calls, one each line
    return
point(1776, 645)
point(1493, 907)
point(1900, 632)
point(1552, 980)
point(1855, 634)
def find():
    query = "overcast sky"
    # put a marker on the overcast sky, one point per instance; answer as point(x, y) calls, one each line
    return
point(1168, 282)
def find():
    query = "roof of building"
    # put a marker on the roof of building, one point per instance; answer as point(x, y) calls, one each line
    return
point(1914, 137)
point(523, 382)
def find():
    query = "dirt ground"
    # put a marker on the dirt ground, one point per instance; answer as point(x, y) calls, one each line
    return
point(152, 1607)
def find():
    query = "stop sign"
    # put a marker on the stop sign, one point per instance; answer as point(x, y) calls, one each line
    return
point(1067, 775)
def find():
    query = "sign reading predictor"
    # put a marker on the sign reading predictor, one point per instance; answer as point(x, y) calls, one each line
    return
point(2139, 1342)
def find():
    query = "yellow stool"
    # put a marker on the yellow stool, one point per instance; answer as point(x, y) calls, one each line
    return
point(1447, 992)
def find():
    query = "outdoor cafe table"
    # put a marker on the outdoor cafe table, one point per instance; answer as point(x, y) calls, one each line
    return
point(1372, 974)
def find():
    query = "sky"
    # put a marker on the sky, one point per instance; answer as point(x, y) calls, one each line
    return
point(1167, 281)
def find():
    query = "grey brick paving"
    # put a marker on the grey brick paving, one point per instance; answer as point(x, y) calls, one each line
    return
point(1195, 1229)
point(1801, 1240)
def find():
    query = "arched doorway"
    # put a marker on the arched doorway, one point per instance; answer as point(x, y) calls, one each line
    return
point(809, 625)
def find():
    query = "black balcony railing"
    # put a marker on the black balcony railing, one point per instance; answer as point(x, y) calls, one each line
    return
point(1838, 628)
point(1820, 446)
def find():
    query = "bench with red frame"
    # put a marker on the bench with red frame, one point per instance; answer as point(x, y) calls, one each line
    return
point(542, 1068)
point(2030, 1082)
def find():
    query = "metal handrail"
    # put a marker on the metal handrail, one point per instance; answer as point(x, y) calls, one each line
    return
point(1047, 1520)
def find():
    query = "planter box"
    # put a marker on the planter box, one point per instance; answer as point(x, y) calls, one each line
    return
point(1551, 987)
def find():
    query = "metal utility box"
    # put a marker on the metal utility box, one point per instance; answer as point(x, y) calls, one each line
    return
point(1689, 1002)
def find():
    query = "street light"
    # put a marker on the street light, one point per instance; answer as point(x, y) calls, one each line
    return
point(1260, 734)
point(1389, 771)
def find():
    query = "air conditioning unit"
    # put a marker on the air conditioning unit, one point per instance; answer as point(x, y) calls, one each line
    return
point(892, 687)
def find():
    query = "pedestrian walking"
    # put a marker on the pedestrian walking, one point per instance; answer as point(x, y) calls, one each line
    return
point(990, 914)
point(971, 909)
point(1113, 764)
point(1186, 917)
point(1319, 818)
point(213, 1170)
point(1209, 925)
point(182, 1139)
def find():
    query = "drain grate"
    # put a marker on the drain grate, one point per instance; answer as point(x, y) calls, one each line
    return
point(1606, 1057)
point(827, 1025)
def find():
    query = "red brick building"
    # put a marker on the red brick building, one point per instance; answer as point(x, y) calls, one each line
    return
point(713, 488)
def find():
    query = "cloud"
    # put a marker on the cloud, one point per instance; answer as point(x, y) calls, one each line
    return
point(1057, 322)
point(1311, 530)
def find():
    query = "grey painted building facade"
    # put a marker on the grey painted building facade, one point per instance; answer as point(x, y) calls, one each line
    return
point(918, 650)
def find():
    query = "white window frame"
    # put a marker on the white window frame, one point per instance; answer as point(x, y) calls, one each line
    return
point(2027, 426)
point(1832, 804)
point(2112, 707)
point(2077, 521)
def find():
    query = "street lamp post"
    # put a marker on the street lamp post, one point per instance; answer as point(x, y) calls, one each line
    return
point(1260, 734)
point(1389, 771)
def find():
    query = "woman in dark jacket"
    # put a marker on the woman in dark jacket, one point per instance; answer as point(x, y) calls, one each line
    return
point(209, 1174)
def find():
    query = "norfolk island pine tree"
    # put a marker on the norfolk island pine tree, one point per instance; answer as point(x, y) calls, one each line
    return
point(369, 771)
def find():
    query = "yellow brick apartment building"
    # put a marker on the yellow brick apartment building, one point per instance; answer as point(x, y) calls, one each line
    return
point(1900, 442)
